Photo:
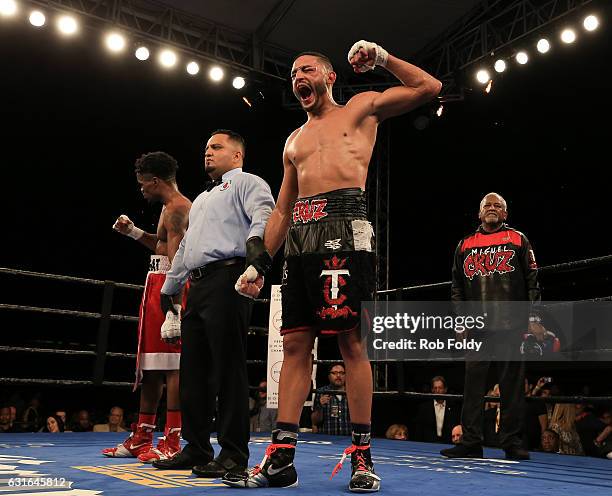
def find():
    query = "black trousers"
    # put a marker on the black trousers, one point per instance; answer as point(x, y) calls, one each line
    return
point(213, 365)
point(503, 353)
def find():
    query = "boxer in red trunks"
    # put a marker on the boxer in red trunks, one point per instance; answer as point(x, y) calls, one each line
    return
point(159, 346)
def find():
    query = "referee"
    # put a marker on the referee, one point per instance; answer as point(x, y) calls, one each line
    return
point(226, 227)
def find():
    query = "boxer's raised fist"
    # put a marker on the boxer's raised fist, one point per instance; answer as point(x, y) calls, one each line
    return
point(125, 226)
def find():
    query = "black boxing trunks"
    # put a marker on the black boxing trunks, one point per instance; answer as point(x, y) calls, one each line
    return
point(329, 263)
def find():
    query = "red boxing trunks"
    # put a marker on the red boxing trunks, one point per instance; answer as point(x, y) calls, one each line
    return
point(153, 352)
point(329, 263)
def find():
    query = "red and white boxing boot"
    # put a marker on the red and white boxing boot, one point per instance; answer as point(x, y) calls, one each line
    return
point(140, 441)
point(167, 446)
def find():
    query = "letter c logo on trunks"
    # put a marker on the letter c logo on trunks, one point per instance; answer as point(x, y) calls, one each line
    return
point(307, 210)
point(331, 287)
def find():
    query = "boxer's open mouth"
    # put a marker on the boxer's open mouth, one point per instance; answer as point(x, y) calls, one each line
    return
point(306, 94)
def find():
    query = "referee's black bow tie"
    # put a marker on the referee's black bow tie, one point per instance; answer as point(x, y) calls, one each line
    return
point(211, 184)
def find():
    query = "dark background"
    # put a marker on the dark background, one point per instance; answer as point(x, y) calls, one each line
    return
point(75, 118)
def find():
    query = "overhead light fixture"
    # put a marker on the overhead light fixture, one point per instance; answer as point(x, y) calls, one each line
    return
point(568, 36)
point(216, 74)
point(142, 53)
point(37, 18)
point(482, 76)
point(167, 58)
point(193, 68)
point(488, 88)
point(8, 8)
point(590, 23)
point(543, 45)
point(115, 42)
point(238, 82)
point(67, 25)
point(522, 58)
point(500, 65)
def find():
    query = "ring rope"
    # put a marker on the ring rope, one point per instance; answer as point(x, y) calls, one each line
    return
point(409, 394)
point(566, 266)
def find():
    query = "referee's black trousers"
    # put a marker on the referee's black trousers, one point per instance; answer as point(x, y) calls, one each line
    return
point(502, 351)
point(213, 365)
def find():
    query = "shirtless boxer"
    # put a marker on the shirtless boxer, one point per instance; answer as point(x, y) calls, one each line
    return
point(329, 249)
point(159, 348)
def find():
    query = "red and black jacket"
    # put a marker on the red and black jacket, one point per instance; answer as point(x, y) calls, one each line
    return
point(497, 266)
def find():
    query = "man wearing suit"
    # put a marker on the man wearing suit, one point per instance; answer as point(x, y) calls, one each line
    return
point(436, 419)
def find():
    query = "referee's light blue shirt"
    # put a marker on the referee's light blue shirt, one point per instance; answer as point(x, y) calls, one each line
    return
point(220, 222)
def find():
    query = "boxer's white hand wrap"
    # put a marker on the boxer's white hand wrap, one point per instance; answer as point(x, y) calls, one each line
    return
point(133, 231)
point(251, 275)
point(171, 328)
point(381, 54)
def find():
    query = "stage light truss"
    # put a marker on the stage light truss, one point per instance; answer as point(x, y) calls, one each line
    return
point(488, 28)
point(147, 20)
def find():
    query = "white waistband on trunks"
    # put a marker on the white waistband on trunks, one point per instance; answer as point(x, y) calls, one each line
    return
point(160, 264)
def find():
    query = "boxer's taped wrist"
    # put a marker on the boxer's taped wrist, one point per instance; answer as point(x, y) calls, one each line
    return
point(382, 56)
point(135, 233)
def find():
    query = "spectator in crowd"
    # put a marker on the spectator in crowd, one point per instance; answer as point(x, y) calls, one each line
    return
point(549, 389)
point(549, 441)
point(457, 434)
point(593, 432)
point(330, 413)
point(398, 432)
point(538, 388)
point(61, 414)
point(435, 419)
point(536, 417)
point(491, 419)
point(539, 341)
point(82, 422)
point(6, 424)
point(13, 409)
point(603, 442)
point(263, 419)
point(54, 424)
point(563, 422)
point(115, 422)
point(32, 421)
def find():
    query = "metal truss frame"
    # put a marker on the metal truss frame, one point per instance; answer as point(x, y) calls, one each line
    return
point(156, 22)
point(491, 26)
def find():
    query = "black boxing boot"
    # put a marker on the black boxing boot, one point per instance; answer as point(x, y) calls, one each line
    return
point(363, 477)
point(275, 470)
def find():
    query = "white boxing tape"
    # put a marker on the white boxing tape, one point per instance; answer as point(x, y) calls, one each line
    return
point(134, 232)
point(251, 275)
point(381, 54)
point(171, 328)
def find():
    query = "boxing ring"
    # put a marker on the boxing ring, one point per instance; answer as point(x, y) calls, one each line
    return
point(71, 463)
point(73, 459)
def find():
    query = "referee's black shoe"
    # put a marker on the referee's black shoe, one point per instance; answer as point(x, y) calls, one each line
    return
point(181, 461)
point(462, 451)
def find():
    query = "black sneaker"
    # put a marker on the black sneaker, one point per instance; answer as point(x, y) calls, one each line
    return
point(462, 451)
point(275, 470)
point(363, 477)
